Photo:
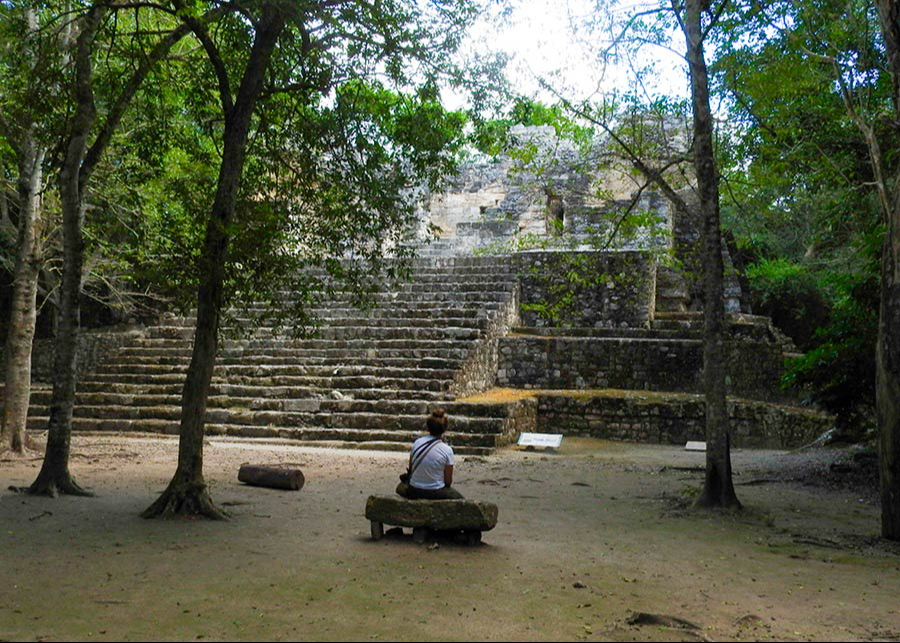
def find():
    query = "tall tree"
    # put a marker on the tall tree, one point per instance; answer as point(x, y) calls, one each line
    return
point(25, 59)
point(314, 143)
point(187, 491)
point(23, 308)
point(87, 137)
point(54, 476)
point(630, 131)
point(718, 488)
point(843, 82)
point(888, 349)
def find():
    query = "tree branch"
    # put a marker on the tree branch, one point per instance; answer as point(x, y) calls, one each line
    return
point(714, 19)
point(215, 59)
point(117, 111)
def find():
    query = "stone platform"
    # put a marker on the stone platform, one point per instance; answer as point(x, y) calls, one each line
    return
point(468, 516)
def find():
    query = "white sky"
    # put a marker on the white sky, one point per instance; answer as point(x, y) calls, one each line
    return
point(540, 38)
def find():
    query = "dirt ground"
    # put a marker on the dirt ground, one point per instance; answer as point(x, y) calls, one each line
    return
point(587, 538)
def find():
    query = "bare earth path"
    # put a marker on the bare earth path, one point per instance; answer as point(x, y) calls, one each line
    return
point(586, 538)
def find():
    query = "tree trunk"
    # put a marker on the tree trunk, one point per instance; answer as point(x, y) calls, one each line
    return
point(77, 166)
point(718, 489)
point(888, 349)
point(187, 492)
point(888, 388)
point(23, 308)
point(54, 477)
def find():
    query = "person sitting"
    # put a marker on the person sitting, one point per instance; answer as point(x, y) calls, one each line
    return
point(430, 473)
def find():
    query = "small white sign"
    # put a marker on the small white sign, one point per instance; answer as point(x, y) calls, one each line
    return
point(695, 446)
point(546, 440)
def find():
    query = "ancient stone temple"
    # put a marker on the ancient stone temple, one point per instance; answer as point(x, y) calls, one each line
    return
point(529, 311)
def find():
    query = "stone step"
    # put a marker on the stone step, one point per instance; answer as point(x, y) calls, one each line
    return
point(251, 391)
point(425, 319)
point(291, 355)
point(367, 376)
point(473, 278)
point(340, 383)
point(340, 333)
point(413, 407)
point(427, 312)
point(436, 296)
point(388, 308)
point(684, 325)
point(740, 328)
point(320, 344)
point(417, 408)
point(497, 269)
point(636, 333)
point(664, 304)
point(697, 316)
point(286, 419)
point(243, 371)
point(433, 321)
point(182, 358)
point(674, 293)
point(492, 288)
point(315, 434)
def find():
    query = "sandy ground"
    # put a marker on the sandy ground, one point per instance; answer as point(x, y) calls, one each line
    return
point(587, 537)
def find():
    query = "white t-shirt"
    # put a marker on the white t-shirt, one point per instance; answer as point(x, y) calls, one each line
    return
point(429, 474)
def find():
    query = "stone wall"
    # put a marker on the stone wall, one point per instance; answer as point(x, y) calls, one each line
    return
point(687, 244)
point(522, 418)
point(93, 346)
point(479, 371)
point(675, 419)
point(549, 194)
point(527, 362)
point(572, 289)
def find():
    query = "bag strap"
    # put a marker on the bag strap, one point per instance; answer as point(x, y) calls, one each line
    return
point(417, 457)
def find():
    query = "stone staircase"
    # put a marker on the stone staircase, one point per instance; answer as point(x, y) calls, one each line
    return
point(367, 379)
point(672, 295)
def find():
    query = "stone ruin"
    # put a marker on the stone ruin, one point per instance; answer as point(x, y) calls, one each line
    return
point(513, 321)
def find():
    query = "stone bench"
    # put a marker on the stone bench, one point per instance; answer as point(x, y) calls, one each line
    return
point(467, 516)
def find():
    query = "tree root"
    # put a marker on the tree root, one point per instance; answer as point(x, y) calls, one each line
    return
point(30, 450)
point(664, 620)
point(727, 504)
point(184, 499)
point(55, 485)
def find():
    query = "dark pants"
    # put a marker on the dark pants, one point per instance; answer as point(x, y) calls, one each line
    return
point(414, 493)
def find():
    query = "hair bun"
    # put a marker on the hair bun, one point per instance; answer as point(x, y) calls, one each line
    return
point(437, 422)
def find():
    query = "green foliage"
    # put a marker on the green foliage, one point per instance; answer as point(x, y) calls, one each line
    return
point(348, 136)
point(797, 177)
point(798, 180)
point(562, 281)
point(493, 136)
point(791, 295)
point(839, 372)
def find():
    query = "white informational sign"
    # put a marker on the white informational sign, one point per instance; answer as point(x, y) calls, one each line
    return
point(695, 446)
point(545, 440)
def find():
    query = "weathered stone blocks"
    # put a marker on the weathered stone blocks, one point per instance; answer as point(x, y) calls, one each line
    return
point(432, 514)
point(605, 289)
point(677, 418)
point(572, 362)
